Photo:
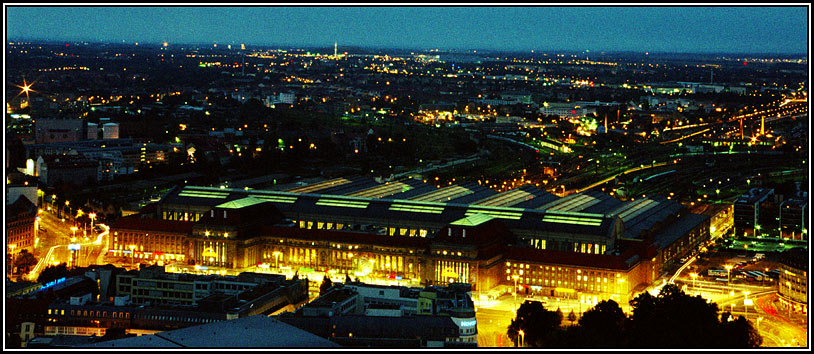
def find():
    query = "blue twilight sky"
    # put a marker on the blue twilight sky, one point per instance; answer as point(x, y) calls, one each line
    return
point(666, 29)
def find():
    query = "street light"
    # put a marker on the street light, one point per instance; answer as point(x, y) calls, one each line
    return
point(515, 293)
point(276, 255)
point(74, 228)
point(728, 269)
point(693, 276)
point(132, 256)
point(522, 337)
point(746, 302)
point(92, 216)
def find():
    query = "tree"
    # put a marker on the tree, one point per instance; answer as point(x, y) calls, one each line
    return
point(536, 322)
point(51, 273)
point(739, 333)
point(674, 319)
point(604, 324)
point(325, 285)
point(572, 317)
point(24, 261)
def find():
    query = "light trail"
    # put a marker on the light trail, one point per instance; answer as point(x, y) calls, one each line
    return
point(681, 269)
point(686, 136)
point(34, 273)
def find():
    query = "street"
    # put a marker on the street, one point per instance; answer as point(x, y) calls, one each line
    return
point(55, 235)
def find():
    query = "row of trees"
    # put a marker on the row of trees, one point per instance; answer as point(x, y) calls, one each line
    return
point(672, 319)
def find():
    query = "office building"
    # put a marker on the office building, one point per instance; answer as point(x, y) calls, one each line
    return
point(792, 288)
point(747, 210)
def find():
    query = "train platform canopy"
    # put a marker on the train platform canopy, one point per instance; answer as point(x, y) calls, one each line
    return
point(443, 195)
point(387, 189)
point(591, 201)
point(643, 214)
point(396, 212)
point(517, 196)
point(678, 228)
point(479, 192)
point(416, 190)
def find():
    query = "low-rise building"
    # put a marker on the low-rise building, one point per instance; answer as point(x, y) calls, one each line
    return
point(566, 110)
point(56, 169)
point(358, 315)
point(150, 300)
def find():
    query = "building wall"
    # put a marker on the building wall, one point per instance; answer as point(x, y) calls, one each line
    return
point(793, 220)
point(549, 279)
point(348, 258)
point(150, 246)
point(20, 232)
point(793, 285)
point(77, 175)
point(685, 244)
point(14, 191)
point(58, 130)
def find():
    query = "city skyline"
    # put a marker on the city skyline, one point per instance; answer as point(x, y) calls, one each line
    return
point(751, 30)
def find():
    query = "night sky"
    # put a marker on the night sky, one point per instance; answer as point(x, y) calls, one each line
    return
point(655, 29)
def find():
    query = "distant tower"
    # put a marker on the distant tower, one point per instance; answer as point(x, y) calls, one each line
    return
point(334, 49)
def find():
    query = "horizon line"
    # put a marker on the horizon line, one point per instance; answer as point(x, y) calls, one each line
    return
point(392, 47)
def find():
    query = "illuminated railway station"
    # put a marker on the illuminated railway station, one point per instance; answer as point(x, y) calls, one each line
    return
point(587, 244)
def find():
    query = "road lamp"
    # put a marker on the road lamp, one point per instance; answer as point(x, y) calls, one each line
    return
point(276, 255)
point(728, 269)
point(68, 206)
point(693, 276)
point(746, 302)
point(74, 228)
point(92, 216)
point(522, 337)
point(515, 293)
